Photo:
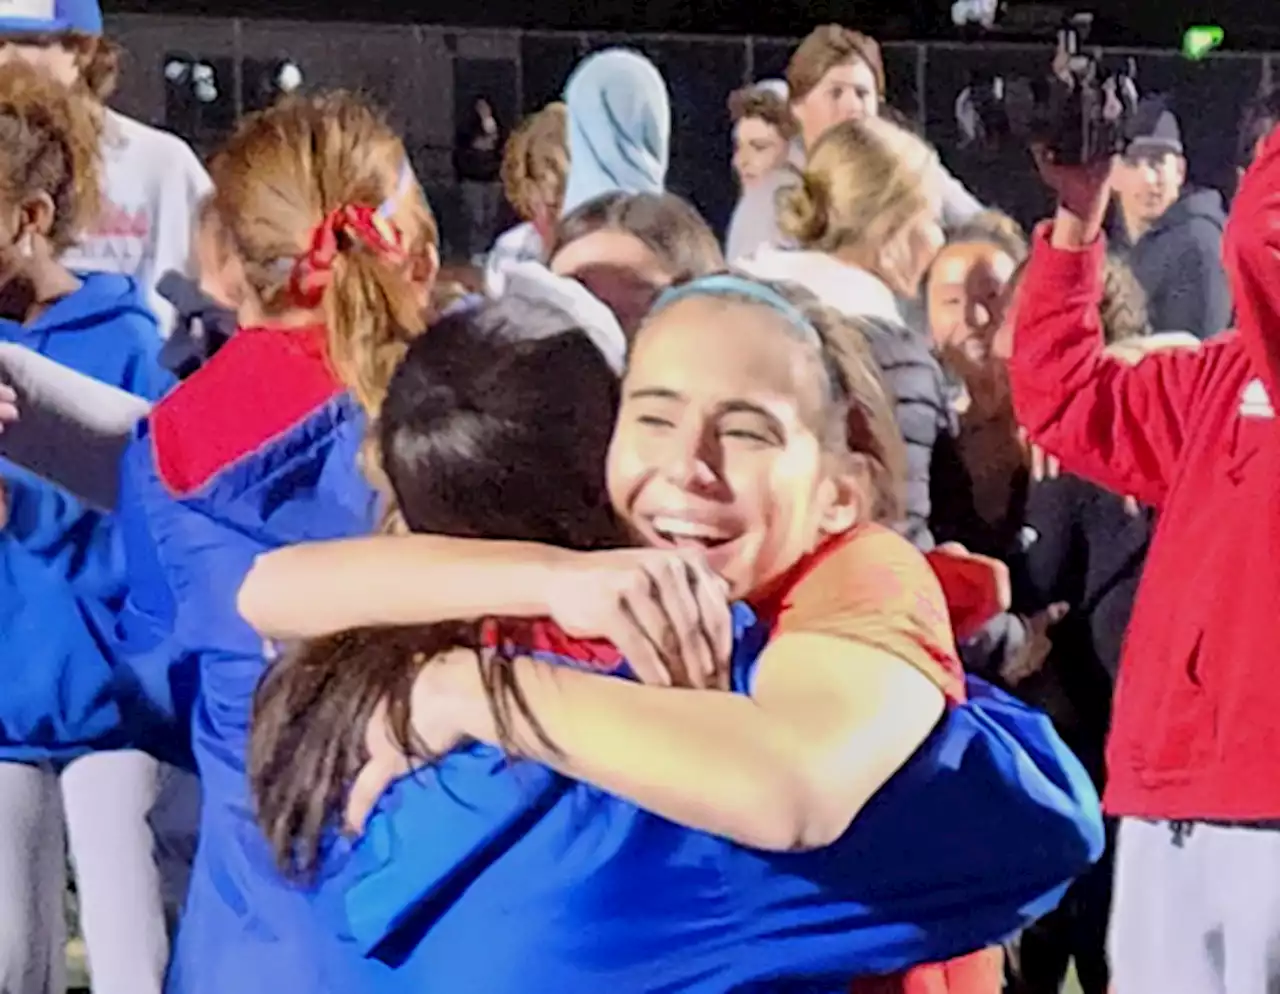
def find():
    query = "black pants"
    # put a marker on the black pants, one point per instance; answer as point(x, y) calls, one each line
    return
point(1076, 929)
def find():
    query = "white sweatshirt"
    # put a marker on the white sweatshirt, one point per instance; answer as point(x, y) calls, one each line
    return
point(154, 184)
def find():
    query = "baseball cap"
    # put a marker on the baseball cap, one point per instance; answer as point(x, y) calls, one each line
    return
point(1153, 130)
point(50, 17)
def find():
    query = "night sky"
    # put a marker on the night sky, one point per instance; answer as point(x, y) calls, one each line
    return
point(1249, 23)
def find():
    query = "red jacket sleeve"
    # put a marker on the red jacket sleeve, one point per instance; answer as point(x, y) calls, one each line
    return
point(1251, 252)
point(1119, 425)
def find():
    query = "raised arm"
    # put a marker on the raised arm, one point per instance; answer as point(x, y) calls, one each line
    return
point(1251, 250)
point(1120, 425)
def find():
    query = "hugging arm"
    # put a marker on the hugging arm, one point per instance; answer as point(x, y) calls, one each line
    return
point(842, 696)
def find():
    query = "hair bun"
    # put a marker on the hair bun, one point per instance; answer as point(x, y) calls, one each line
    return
point(802, 211)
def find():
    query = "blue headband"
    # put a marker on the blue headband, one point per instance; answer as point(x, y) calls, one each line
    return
point(406, 179)
point(732, 285)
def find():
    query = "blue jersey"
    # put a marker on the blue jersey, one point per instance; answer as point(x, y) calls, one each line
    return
point(257, 450)
point(486, 875)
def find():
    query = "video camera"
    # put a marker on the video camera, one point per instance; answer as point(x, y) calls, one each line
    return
point(1080, 111)
point(1086, 111)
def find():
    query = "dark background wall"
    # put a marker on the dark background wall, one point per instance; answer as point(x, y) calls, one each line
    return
point(1249, 23)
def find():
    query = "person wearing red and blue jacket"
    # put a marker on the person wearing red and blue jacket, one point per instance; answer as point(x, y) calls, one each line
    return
point(1194, 739)
point(328, 258)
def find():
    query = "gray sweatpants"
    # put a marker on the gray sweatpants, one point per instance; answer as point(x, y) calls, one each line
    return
point(130, 872)
point(1196, 910)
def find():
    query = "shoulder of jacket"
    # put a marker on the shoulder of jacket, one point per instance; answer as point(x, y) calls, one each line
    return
point(254, 391)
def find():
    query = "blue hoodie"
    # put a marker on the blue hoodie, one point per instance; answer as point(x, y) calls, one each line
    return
point(490, 876)
point(61, 563)
point(619, 127)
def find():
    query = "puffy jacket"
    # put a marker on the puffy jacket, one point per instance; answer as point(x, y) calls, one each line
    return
point(1194, 435)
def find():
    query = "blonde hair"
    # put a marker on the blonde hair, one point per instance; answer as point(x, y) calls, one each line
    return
point(865, 184)
point(535, 163)
point(50, 143)
point(1124, 303)
point(277, 179)
point(825, 48)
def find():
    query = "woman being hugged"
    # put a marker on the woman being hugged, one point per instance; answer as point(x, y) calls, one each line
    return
point(692, 841)
point(63, 737)
point(319, 237)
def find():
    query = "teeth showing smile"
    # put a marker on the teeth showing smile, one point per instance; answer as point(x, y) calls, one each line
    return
point(678, 528)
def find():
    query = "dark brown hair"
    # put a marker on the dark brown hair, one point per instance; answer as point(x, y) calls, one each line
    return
point(495, 425)
point(50, 142)
point(668, 226)
point(753, 101)
point(826, 47)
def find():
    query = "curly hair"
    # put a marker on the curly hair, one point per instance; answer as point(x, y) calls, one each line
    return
point(535, 163)
point(50, 141)
point(1124, 303)
point(752, 101)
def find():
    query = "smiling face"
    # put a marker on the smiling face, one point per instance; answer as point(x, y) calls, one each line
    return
point(718, 442)
point(967, 300)
point(758, 149)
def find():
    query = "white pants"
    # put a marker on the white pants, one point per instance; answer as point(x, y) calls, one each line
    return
point(1196, 910)
point(130, 874)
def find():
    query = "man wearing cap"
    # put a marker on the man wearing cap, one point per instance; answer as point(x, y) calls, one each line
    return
point(1171, 237)
point(153, 180)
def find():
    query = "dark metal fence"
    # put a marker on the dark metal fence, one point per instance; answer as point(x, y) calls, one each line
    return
point(426, 76)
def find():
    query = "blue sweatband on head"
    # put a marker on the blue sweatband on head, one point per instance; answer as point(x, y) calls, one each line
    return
point(733, 285)
point(407, 179)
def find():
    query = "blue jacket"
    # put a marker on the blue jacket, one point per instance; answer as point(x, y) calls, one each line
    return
point(256, 450)
point(61, 566)
point(481, 875)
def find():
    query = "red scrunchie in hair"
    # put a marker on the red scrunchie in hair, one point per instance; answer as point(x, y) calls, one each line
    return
point(357, 223)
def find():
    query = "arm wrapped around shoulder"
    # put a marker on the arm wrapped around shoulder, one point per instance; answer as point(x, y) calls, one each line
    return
point(71, 428)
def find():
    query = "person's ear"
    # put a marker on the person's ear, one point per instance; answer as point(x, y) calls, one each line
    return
point(424, 267)
point(35, 219)
point(846, 500)
point(1181, 169)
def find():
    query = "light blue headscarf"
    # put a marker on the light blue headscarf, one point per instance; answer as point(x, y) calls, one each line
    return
point(619, 127)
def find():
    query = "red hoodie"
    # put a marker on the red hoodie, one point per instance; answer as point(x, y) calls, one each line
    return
point(1196, 727)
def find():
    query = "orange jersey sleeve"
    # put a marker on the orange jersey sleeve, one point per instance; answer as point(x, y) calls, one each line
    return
point(872, 586)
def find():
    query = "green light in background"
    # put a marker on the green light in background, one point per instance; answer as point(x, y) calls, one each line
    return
point(1202, 39)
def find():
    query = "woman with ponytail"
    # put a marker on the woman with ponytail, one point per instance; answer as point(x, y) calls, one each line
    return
point(319, 237)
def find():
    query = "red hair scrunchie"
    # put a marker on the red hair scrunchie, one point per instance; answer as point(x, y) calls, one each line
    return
point(358, 224)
